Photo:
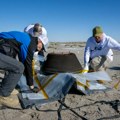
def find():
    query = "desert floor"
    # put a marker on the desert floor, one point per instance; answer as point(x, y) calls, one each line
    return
point(98, 106)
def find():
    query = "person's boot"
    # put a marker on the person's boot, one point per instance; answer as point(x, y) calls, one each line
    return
point(14, 92)
point(9, 102)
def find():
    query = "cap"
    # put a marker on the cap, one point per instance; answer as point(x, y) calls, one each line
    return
point(97, 31)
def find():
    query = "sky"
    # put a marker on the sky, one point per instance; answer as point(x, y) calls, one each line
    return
point(64, 20)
